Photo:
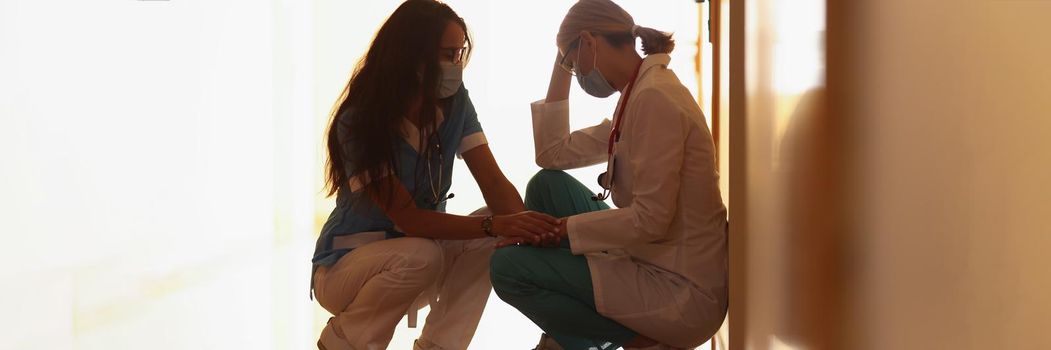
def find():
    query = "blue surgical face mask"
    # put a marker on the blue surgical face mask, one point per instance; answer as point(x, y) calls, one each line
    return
point(594, 83)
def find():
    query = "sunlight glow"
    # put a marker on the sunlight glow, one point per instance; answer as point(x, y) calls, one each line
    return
point(163, 160)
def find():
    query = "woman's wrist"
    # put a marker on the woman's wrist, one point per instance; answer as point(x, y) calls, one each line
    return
point(558, 88)
point(487, 226)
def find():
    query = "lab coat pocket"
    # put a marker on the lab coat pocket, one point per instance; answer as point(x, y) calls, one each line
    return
point(641, 291)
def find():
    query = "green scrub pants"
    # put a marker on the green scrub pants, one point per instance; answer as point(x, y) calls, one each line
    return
point(552, 286)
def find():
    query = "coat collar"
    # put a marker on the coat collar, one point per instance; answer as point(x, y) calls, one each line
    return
point(650, 61)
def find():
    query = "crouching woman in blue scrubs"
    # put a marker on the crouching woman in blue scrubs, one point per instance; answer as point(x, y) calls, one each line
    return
point(652, 272)
point(388, 248)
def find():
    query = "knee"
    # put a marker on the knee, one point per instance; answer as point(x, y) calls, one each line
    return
point(423, 257)
point(545, 179)
point(499, 266)
point(505, 273)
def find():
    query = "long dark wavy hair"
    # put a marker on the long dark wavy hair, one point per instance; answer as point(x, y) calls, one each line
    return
point(400, 67)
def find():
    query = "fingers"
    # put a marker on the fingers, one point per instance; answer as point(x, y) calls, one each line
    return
point(545, 239)
point(551, 241)
point(544, 217)
point(550, 231)
point(511, 226)
point(545, 229)
point(509, 242)
point(528, 222)
point(549, 224)
point(522, 232)
point(532, 227)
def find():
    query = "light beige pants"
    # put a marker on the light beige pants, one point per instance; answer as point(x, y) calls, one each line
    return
point(371, 288)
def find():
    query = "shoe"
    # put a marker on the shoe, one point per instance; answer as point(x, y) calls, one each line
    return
point(331, 339)
point(547, 343)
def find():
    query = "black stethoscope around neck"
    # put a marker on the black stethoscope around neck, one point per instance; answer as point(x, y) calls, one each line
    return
point(441, 177)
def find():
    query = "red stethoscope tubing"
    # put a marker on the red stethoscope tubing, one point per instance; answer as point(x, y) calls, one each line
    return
point(614, 134)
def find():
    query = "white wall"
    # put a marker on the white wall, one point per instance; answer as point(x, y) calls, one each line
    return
point(139, 147)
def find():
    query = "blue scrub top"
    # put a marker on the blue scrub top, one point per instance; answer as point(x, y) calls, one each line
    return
point(355, 212)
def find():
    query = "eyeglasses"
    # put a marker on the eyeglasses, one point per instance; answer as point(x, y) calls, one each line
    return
point(454, 54)
point(435, 190)
point(567, 65)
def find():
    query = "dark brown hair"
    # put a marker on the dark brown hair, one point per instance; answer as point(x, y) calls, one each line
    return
point(400, 67)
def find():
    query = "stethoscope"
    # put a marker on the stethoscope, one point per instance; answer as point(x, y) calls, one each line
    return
point(605, 180)
point(430, 174)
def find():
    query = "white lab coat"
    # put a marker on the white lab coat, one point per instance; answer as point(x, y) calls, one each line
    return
point(659, 261)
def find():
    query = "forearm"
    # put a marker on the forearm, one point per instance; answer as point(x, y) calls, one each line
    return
point(558, 88)
point(439, 225)
point(557, 148)
point(502, 198)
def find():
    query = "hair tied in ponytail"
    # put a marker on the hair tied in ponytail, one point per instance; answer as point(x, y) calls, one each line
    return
point(654, 41)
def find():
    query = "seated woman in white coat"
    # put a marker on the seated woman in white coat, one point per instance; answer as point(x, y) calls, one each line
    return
point(651, 273)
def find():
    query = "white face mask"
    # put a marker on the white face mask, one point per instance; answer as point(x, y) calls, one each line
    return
point(452, 78)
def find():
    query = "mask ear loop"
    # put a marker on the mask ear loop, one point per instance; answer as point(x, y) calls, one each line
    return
point(594, 57)
point(579, 48)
